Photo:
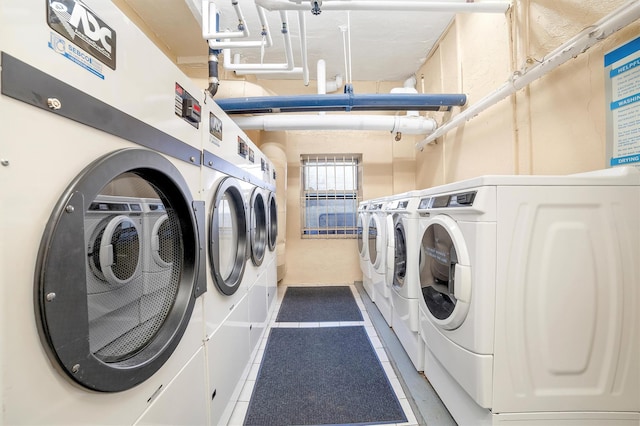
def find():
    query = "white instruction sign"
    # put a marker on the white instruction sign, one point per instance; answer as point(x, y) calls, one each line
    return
point(622, 90)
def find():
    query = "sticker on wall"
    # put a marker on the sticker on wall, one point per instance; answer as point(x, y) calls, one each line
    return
point(215, 129)
point(622, 93)
point(251, 156)
point(77, 23)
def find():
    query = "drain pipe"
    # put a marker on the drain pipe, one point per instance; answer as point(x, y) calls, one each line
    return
point(389, 123)
point(618, 19)
point(391, 5)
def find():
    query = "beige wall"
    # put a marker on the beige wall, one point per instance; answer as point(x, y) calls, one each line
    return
point(389, 168)
point(554, 126)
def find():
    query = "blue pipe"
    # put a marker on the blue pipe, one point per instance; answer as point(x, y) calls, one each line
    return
point(342, 102)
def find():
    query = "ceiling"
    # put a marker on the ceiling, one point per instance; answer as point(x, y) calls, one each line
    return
point(384, 45)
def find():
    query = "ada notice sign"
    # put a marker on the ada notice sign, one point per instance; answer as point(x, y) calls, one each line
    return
point(73, 20)
point(622, 91)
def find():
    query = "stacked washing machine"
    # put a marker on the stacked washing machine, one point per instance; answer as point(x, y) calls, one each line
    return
point(238, 185)
point(122, 252)
point(530, 302)
point(101, 321)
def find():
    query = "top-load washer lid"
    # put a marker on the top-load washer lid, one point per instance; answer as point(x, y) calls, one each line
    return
point(445, 275)
point(107, 322)
point(272, 226)
point(228, 236)
point(258, 229)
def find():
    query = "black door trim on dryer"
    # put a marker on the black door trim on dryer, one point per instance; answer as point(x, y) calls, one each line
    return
point(60, 288)
point(258, 233)
point(272, 226)
point(230, 284)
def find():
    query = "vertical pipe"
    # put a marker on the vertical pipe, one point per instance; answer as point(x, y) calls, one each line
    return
point(321, 77)
point(303, 47)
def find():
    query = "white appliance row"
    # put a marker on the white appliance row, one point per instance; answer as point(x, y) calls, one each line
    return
point(138, 255)
point(528, 295)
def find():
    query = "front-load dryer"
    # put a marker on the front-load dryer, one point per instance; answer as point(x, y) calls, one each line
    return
point(403, 257)
point(115, 247)
point(363, 236)
point(272, 243)
point(530, 299)
point(71, 353)
point(233, 184)
point(377, 249)
point(158, 236)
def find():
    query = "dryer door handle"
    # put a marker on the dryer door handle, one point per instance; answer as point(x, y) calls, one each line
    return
point(461, 282)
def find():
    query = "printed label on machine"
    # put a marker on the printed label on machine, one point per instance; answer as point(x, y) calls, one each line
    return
point(76, 22)
point(215, 129)
point(75, 54)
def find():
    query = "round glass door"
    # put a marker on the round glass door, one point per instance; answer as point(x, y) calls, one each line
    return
point(361, 245)
point(445, 273)
point(273, 221)
point(400, 255)
point(109, 319)
point(228, 236)
point(372, 239)
point(258, 233)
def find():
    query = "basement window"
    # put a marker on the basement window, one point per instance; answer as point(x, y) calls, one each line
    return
point(331, 188)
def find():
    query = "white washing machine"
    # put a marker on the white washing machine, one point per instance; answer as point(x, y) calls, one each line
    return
point(402, 273)
point(530, 298)
point(363, 245)
point(236, 185)
point(114, 240)
point(84, 136)
point(377, 249)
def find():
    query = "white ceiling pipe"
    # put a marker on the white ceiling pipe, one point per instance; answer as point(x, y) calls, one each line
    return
point(209, 30)
point(335, 84)
point(409, 86)
point(302, 23)
point(326, 86)
point(228, 43)
point(321, 77)
point(392, 5)
point(294, 71)
point(618, 19)
point(389, 123)
point(250, 68)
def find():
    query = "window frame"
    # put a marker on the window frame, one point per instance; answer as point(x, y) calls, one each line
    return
point(329, 169)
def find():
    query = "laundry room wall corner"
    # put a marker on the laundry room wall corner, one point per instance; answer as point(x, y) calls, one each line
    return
point(556, 125)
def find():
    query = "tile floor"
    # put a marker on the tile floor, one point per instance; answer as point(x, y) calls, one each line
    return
point(240, 410)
